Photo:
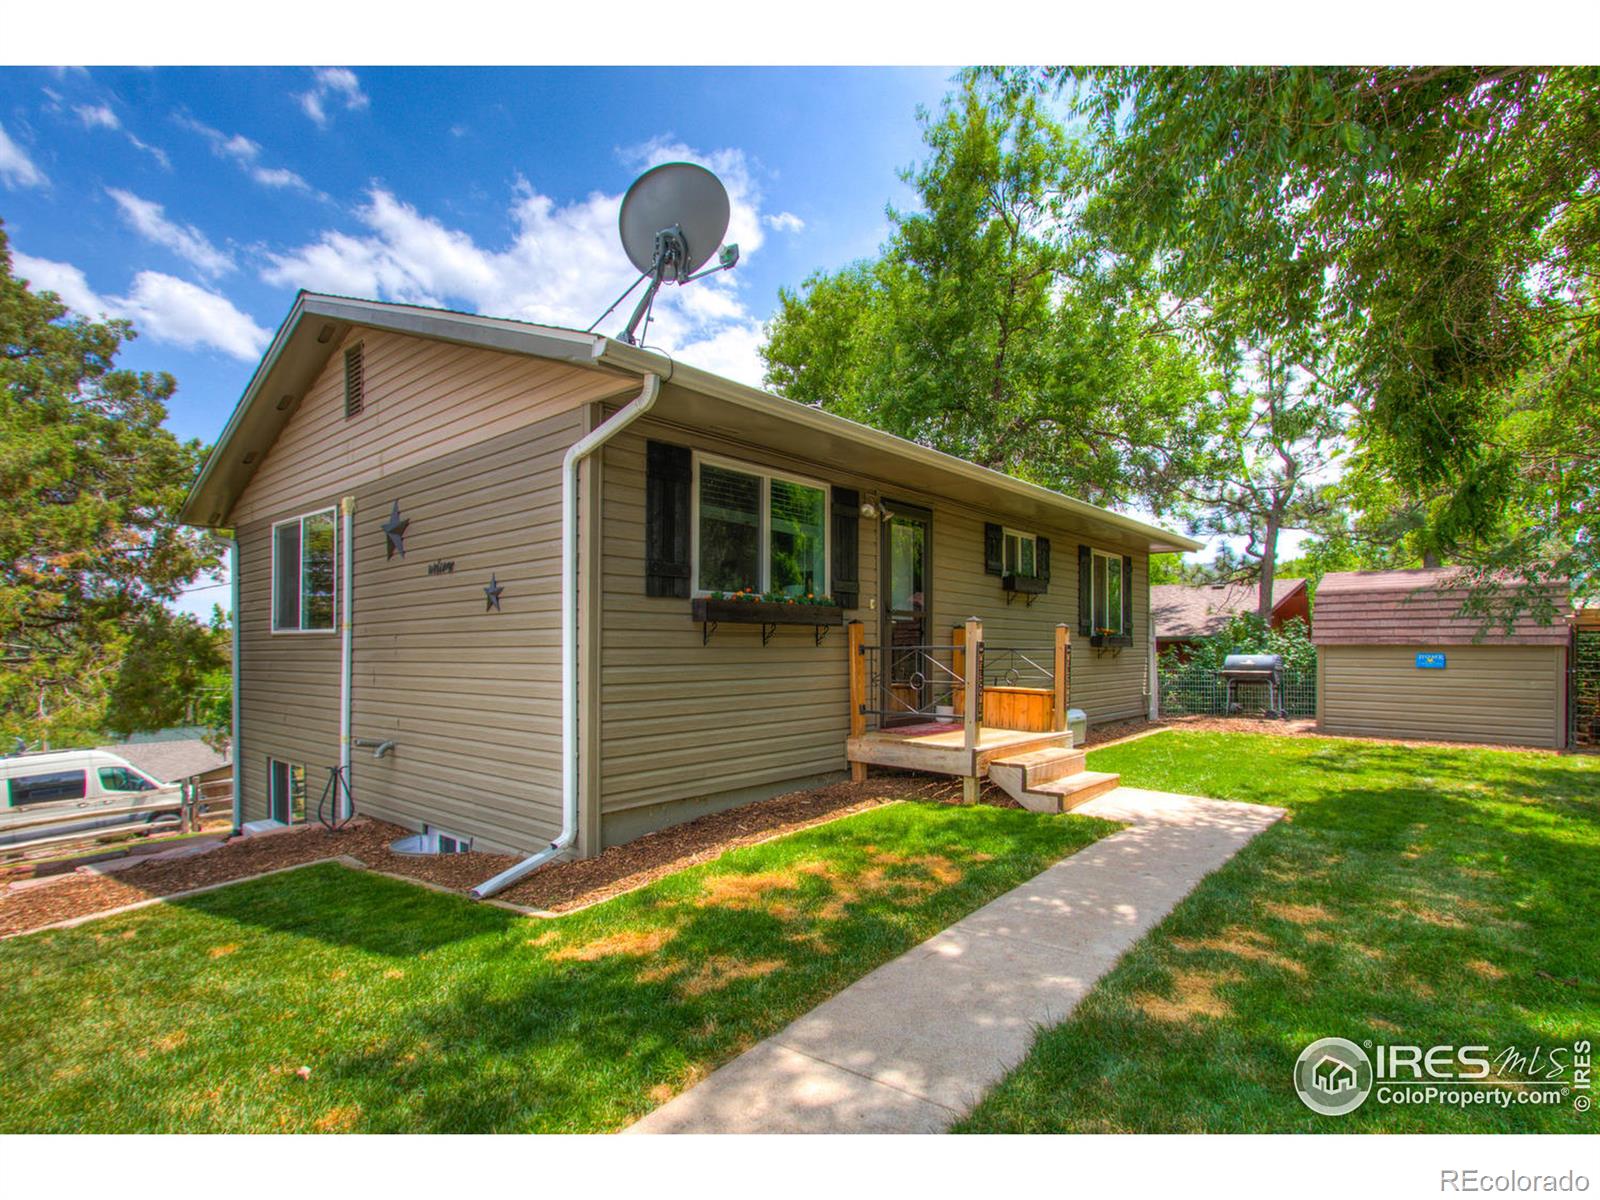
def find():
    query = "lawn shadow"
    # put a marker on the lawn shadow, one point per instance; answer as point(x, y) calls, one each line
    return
point(390, 918)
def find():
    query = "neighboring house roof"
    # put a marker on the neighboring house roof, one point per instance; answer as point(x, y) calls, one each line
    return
point(1420, 607)
point(170, 760)
point(1183, 611)
point(317, 324)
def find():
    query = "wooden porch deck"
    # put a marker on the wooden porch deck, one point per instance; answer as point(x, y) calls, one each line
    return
point(940, 747)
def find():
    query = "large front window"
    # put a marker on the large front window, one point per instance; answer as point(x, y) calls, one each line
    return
point(303, 574)
point(759, 532)
point(1107, 593)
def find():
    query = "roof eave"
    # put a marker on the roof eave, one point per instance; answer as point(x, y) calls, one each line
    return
point(1158, 540)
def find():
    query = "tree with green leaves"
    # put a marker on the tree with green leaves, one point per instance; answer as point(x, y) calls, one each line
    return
point(1269, 463)
point(90, 548)
point(987, 329)
point(1438, 227)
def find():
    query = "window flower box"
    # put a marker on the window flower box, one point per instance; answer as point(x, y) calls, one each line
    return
point(1027, 585)
point(1110, 641)
point(749, 609)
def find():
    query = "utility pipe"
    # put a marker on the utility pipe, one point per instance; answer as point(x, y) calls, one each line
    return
point(347, 510)
point(233, 623)
point(576, 453)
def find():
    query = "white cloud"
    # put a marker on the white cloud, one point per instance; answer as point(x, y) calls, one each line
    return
point(163, 307)
point(64, 279)
point(16, 168)
point(278, 177)
point(784, 222)
point(563, 266)
point(155, 152)
point(246, 153)
point(97, 116)
point(331, 83)
point(149, 219)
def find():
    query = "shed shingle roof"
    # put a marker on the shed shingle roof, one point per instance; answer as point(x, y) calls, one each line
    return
point(1182, 611)
point(1420, 607)
point(170, 761)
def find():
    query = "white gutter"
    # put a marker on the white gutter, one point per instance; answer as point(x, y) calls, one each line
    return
point(347, 509)
point(233, 625)
point(575, 455)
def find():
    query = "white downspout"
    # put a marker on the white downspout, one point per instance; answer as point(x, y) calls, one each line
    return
point(233, 623)
point(576, 453)
point(347, 509)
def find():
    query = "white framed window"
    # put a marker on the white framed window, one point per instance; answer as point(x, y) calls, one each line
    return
point(305, 573)
point(1106, 593)
point(758, 530)
point(1021, 553)
point(448, 843)
point(286, 792)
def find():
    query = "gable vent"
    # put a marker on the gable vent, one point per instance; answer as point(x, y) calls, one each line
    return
point(354, 381)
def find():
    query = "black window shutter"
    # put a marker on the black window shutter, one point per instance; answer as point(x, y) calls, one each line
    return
point(994, 549)
point(845, 585)
point(1127, 595)
point(1041, 558)
point(1085, 589)
point(668, 473)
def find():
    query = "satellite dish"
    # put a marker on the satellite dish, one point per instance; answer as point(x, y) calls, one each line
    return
point(672, 221)
point(674, 195)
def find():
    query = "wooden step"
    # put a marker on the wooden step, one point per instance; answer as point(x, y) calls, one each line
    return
point(1074, 790)
point(1041, 766)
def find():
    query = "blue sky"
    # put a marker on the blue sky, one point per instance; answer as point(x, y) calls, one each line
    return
point(196, 201)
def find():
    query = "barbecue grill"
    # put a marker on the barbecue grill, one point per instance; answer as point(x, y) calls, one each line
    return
point(1254, 670)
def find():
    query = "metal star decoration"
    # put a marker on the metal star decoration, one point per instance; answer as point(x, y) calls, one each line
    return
point(492, 594)
point(394, 529)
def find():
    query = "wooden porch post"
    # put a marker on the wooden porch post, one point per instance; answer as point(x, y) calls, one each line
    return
point(971, 708)
point(1063, 676)
point(855, 632)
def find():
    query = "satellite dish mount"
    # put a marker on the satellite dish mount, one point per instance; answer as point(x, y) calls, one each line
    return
point(672, 222)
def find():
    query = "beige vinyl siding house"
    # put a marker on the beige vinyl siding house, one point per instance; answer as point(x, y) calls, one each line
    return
point(770, 717)
point(456, 427)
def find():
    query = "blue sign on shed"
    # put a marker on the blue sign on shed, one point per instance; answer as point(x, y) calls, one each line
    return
point(1431, 660)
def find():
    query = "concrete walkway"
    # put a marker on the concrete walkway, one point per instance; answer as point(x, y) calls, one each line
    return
point(913, 1046)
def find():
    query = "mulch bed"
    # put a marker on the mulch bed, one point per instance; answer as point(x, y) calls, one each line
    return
point(559, 888)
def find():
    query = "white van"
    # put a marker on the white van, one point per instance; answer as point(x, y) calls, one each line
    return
point(66, 792)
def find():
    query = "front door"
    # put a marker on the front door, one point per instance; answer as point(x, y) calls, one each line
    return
point(904, 583)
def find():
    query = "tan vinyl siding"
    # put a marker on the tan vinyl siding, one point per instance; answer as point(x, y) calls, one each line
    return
point(422, 399)
point(1512, 694)
point(471, 697)
point(288, 682)
point(684, 722)
point(1106, 684)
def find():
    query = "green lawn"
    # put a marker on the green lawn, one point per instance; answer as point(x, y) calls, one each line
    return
point(1412, 895)
point(418, 1011)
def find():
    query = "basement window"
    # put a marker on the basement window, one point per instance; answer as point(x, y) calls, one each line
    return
point(355, 381)
point(304, 553)
point(448, 843)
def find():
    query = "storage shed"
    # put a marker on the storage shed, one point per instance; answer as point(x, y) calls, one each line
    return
point(1396, 659)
